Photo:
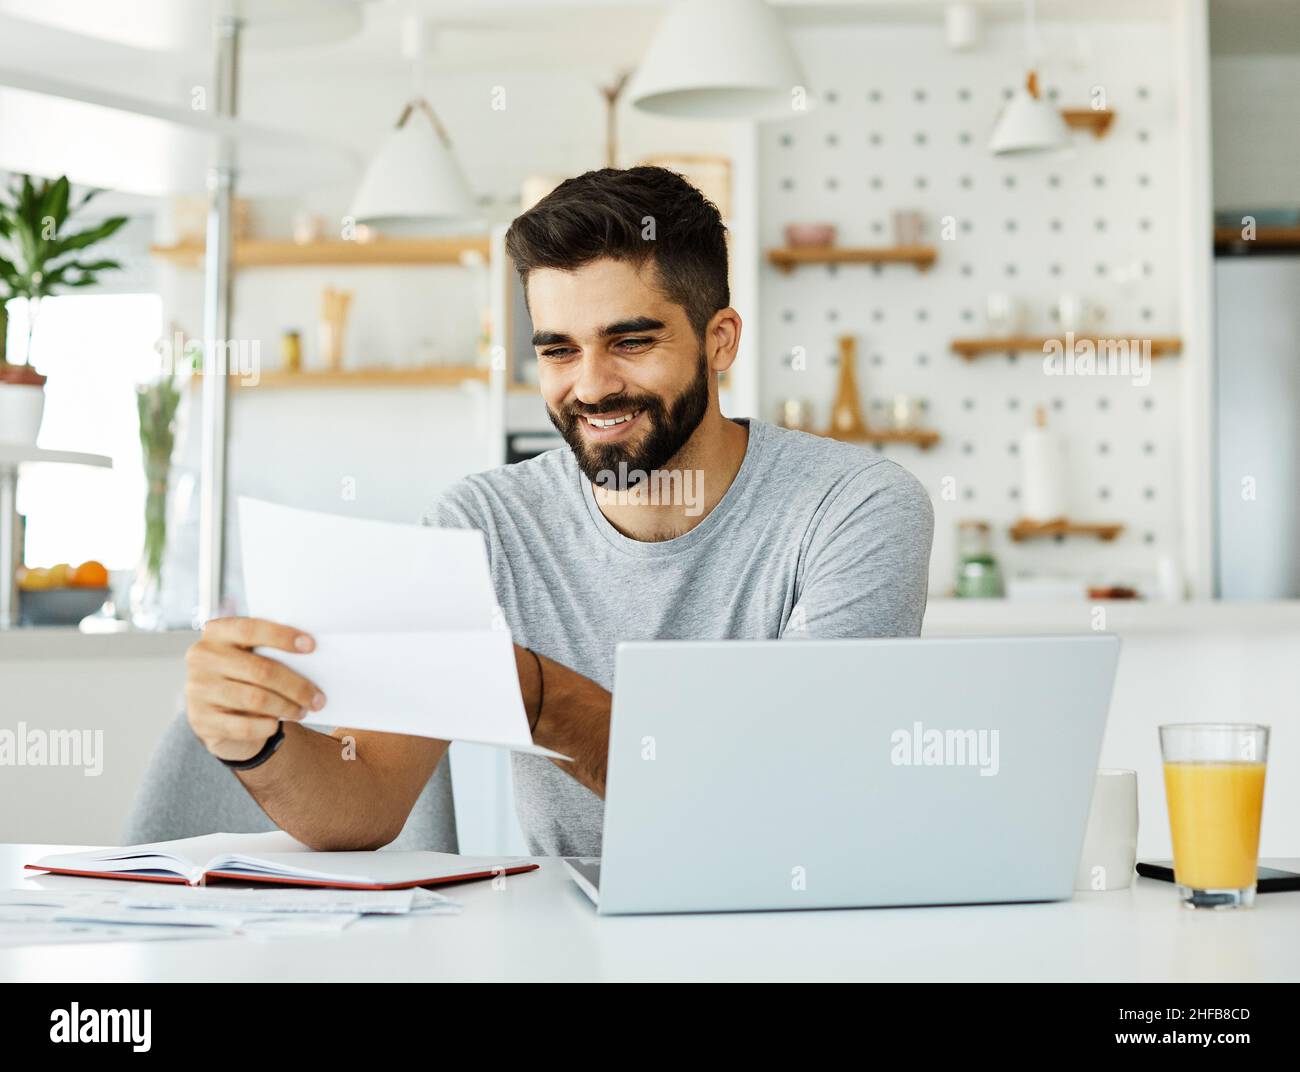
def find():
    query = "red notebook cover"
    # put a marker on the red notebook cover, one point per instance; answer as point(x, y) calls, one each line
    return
point(284, 881)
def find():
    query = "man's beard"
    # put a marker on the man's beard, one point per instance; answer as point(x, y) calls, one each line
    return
point(669, 427)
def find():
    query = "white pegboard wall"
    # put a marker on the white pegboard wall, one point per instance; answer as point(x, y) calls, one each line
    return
point(903, 123)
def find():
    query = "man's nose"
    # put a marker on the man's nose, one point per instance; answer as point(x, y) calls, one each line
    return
point(597, 379)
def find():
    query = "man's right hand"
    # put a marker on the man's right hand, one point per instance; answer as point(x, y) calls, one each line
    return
point(236, 698)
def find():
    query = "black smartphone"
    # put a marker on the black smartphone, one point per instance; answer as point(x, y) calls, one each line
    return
point(1271, 879)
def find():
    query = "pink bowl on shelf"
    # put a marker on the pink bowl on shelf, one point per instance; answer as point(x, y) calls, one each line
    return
point(809, 234)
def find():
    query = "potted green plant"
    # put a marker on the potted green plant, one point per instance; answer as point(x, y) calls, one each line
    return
point(39, 256)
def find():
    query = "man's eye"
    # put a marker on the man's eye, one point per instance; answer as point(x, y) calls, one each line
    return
point(559, 351)
point(635, 343)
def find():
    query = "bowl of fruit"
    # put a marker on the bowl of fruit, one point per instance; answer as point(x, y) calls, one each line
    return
point(62, 594)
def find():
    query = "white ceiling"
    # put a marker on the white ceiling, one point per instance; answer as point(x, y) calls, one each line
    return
point(542, 34)
point(157, 50)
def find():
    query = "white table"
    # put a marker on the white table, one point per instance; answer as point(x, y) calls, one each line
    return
point(12, 455)
point(541, 927)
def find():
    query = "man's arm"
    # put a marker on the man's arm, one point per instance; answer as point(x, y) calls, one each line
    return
point(351, 790)
point(354, 789)
point(573, 718)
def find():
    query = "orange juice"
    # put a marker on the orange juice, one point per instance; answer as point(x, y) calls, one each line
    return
point(1214, 813)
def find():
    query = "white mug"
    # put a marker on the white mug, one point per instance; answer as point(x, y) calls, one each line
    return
point(1005, 314)
point(1110, 845)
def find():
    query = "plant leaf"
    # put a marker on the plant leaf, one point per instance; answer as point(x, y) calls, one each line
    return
point(30, 264)
point(88, 237)
point(54, 205)
point(83, 266)
point(93, 191)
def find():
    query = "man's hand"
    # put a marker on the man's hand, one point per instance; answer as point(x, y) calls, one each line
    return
point(236, 698)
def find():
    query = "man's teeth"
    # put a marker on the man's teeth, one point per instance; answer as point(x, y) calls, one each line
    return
point(611, 421)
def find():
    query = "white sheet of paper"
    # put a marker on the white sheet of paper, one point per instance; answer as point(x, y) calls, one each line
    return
point(20, 934)
point(403, 620)
point(325, 573)
point(287, 901)
point(179, 916)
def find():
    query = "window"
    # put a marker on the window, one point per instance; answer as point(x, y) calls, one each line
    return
point(95, 349)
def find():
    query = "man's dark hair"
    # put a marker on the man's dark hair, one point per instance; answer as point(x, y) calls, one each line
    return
point(638, 215)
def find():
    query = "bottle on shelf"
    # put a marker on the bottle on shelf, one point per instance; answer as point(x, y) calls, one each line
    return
point(978, 576)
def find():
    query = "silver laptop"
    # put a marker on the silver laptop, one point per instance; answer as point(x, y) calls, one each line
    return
point(787, 774)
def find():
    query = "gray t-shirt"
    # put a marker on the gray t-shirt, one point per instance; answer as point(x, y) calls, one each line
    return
point(814, 538)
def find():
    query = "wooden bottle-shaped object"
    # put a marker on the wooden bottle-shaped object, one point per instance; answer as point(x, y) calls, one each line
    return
point(333, 325)
point(846, 410)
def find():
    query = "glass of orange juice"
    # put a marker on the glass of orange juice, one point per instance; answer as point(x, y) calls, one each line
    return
point(1214, 784)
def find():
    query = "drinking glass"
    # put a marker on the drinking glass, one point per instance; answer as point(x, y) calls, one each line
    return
point(1214, 786)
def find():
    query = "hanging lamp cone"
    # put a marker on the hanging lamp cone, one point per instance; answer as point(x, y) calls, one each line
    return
point(1028, 124)
point(720, 59)
point(414, 183)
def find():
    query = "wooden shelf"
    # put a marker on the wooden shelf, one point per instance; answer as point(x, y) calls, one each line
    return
point(1229, 238)
point(264, 253)
point(973, 348)
point(919, 437)
point(791, 257)
point(1037, 530)
point(379, 376)
point(1097, 120)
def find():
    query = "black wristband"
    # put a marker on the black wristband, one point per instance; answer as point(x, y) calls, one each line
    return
point(264, 753)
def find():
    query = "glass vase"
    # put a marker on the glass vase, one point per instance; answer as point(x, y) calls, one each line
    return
point(146, 586)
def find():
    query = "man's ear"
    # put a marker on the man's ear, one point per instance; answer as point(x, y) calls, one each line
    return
point(722, 339)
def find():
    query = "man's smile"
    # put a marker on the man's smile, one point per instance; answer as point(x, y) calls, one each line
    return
point(605, 427)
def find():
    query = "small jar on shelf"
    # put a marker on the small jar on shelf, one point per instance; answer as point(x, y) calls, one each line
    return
point(978, 576)
point(291, 351)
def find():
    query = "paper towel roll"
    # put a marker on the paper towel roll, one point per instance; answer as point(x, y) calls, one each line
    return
point(1042, 472)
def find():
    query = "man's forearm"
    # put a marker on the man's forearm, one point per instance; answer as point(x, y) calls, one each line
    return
point(573, 716)
point(323, 791)
point(319, 787)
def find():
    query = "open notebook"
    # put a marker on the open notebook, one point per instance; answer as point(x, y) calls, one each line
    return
point(276, 857)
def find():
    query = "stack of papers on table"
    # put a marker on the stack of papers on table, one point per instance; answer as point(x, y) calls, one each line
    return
point(37, 917)
point(169, 896)
point(40, 916)
point(404, 617)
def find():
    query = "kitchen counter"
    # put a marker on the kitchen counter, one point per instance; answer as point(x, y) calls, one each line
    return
point(963, 617)
point(69, 643)
point(944, 616)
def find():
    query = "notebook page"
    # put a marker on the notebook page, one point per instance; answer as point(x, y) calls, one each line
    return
point(186, 857)
point(369, 868)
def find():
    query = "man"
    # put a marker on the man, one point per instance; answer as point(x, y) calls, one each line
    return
point(663, 519)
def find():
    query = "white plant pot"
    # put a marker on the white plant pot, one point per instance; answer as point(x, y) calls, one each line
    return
point(21, 406)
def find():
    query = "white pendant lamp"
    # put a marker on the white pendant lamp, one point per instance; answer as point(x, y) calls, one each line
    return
point(415, 183)
point(717, 59)
point(1028, 124)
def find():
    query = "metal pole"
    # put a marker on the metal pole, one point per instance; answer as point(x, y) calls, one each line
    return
point(216, 329)
point(8, 543)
